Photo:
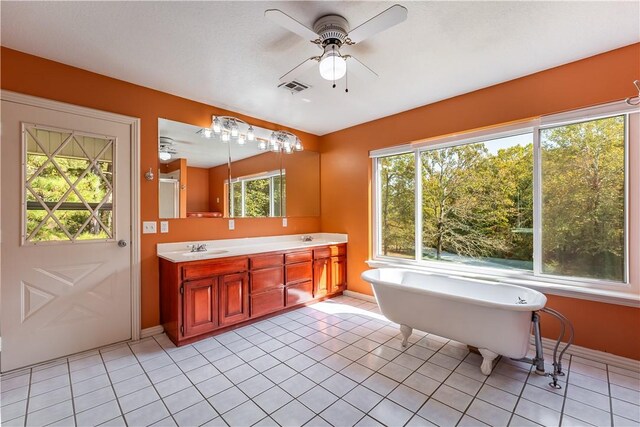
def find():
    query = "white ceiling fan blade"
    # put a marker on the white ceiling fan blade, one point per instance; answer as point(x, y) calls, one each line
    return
point(300, 69)
point(287, 22)
point(359, 69)
point(387, 19)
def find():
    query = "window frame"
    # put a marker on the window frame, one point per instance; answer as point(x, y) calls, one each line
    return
point(24, 235)
point(594, 289)
point(271, 175)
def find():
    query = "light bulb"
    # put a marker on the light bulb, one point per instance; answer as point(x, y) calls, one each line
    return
point(241, 139)
point(298, 145)
point(262, 145)
point(288, 149)
point(250, 135)
point(206, 133)
point(275, 147)
point(332, 65)
point(234, 129)
point(164, 155)
point(225, 137)
point(273, 138)
point(216, 125)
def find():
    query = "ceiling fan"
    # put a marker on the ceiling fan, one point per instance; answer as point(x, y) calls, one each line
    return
point(166, 150)
point(330, 33)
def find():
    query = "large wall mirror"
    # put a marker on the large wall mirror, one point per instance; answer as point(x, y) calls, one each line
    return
point(207, 177)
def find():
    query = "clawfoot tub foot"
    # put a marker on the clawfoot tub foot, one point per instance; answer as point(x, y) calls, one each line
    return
point(488, 357)
point(406, 333)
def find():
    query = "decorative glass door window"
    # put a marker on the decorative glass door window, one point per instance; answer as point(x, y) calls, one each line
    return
point(68, 185)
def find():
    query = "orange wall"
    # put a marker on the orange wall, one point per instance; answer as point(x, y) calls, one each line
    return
point(198, 190)
point(346, 168)
point(36, 76)
point(217, 176)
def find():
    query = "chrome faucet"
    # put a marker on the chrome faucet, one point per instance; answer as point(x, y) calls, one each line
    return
point(307, 238)
point(198, 247)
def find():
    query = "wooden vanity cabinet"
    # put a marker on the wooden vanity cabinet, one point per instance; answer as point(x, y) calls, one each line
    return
point(299, 277)
point(329, 270)
point(267, 284)
point(199, 298)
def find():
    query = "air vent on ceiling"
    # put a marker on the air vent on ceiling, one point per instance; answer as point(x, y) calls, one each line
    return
point(294, 86)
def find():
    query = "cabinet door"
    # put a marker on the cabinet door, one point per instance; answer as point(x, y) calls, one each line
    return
point(234, 298)
point(321, 277)
point(200, 301)
point(338, 274)
point(267, 302)
point(299, 293)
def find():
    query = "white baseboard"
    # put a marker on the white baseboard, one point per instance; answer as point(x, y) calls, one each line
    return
point(149, 332)
point(548, 344)
point(359, 295)
point(595, 355)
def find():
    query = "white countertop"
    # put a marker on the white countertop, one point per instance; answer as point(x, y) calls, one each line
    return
point(181, 252)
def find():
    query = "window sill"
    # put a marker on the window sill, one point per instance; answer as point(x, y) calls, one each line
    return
point(610, 296)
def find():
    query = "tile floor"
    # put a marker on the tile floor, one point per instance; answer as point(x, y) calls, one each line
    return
point(337, 363)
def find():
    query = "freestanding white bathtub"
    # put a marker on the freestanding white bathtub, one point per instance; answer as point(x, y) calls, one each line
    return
point(495, 318)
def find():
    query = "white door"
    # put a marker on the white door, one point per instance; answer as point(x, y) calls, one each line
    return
point(65, 221)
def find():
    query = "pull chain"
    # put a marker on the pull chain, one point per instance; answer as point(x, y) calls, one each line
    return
point(346, 78)
point(333, 61)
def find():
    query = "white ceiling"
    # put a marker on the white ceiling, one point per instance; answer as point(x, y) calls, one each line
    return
point(227, 54)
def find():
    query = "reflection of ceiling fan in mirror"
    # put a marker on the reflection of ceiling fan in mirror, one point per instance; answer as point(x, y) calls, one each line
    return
point(330, 33)
point(167, 149)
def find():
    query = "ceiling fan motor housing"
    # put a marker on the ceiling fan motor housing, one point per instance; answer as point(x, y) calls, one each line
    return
point(332, 29)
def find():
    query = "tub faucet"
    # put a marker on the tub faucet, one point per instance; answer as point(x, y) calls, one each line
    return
point(198, 247)
point(307, 238)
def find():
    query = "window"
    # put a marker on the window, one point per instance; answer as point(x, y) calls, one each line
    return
point(397, 203)
point(68, 186)
point(544, 201)
point(477, 203)
point(257, 195)
point(583, 199)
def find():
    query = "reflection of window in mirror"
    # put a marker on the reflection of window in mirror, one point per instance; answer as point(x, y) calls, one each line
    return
point(258, 195)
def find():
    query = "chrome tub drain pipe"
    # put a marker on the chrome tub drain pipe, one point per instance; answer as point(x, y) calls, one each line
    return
point(538, 360)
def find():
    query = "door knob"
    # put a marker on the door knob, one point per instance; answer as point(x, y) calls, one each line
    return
point(122, 243)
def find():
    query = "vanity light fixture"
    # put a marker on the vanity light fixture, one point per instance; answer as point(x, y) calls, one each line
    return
point(282, 140)
point(233, 129)
point(228, 129)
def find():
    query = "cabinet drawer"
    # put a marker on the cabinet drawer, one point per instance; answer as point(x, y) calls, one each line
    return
point(299, 272)
point(264, 261)
point(321, 253)
point(328, 251)
point(299, 293)
point(298, 257)
point(265, 279)
point(267, 302)
point(214, 268)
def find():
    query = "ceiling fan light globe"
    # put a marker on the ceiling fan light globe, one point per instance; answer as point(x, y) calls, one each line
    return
point(165, 156)
point(206, 133)
point(332, 66)
point(250, 134)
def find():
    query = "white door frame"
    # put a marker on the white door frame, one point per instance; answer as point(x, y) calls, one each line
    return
point(134, 124)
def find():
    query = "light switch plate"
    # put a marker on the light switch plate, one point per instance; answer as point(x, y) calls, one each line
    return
point(284, 222)
point(164, 226)
point(232, 224)
point(149, 227)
